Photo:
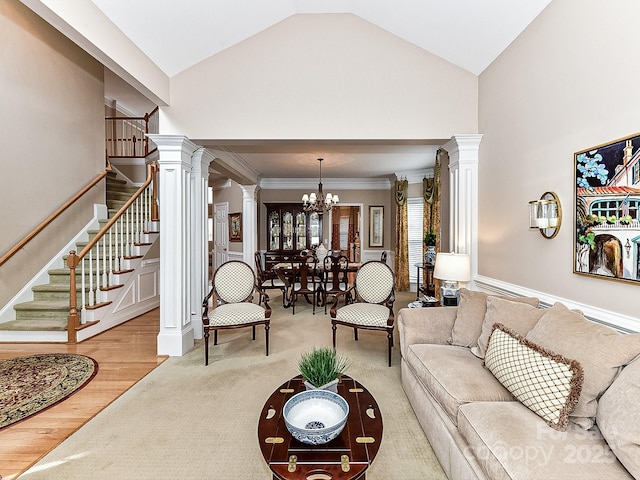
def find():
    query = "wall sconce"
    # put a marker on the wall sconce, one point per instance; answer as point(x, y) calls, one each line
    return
point(627, 247)
point(546, 214)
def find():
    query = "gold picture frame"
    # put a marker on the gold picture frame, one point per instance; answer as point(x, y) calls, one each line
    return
point(235, 227)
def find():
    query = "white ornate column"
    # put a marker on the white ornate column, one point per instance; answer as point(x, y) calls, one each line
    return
point(176, 335)
point(463, 196)
point(249, 222)
point(199, 240)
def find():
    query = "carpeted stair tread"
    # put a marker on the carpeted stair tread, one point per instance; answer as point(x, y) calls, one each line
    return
point(43, 306)
point(42, 325)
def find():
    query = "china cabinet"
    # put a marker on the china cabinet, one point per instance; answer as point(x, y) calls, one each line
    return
point(290, 230)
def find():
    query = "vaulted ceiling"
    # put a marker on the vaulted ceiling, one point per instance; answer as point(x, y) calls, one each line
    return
point(467, 33)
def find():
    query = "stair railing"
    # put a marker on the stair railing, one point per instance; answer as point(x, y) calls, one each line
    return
point(126, 136)
point(47, 221)
point(106, 254)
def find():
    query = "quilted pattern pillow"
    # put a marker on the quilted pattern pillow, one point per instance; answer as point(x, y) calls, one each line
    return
point(546, 383)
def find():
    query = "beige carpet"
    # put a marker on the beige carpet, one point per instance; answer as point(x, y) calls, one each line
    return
point(188, 421)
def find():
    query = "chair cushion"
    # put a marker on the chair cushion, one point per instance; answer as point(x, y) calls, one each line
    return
point(519, 317)
point(375, 282)
point(471, 312)
point(235, 314)
point(512, 443)
point(454, 376)
point(234, 281)
point(600, 350)
point(619, 417)
point(366, 314)
point(545, 382)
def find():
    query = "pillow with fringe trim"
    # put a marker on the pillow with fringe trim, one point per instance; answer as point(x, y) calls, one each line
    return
point(543, 381)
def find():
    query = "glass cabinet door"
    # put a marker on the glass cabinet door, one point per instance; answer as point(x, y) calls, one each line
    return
point(273, 228)
point(287, 230)
point(301, 231)
point(314, 229)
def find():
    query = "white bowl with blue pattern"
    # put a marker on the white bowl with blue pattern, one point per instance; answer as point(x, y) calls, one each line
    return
point(315, 417)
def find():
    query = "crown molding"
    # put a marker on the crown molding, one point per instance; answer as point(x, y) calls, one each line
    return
point(328, 184)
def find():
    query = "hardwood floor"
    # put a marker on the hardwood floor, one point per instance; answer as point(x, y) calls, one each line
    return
point(125, 354)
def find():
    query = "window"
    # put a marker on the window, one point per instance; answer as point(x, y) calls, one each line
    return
point(344, 233)
point(415, 209)
point(606, 208)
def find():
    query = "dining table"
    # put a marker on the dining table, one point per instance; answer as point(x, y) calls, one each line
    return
point(286, 272)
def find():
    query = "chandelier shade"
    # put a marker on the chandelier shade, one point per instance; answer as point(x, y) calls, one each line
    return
point(318, 202)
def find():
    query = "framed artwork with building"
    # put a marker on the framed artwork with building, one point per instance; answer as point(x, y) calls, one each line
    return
point(607, 200)
point(235, 227)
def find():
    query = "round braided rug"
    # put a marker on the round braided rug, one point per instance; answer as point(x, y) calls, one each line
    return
point(30, 384)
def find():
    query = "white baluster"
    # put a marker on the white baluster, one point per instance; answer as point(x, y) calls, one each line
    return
point(83, 299)
point(91, 299)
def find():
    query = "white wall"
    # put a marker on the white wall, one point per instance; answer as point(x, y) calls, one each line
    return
point(332, 76)
point(569, 82)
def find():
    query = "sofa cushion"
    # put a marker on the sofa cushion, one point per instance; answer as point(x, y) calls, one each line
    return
point(619, 417)
point(512, 443)
point(599, 349)
point(519, 317)
point(546, 383)
point(471, 311)
point(454, 376)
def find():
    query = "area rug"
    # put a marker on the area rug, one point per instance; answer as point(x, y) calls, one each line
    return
point(33, 383)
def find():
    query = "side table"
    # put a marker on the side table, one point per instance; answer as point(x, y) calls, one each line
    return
point(428, 287)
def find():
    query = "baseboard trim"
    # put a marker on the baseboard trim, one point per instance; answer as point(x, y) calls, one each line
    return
point(620, 322)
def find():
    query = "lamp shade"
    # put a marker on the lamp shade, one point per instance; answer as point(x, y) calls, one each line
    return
point(453, 266)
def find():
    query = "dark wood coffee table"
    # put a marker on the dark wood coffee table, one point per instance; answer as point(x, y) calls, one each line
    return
point(347, 457)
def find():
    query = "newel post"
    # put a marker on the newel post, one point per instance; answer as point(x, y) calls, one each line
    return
point(73, 320)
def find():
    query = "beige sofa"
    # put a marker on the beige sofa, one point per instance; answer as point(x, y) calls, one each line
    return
point(480, 430)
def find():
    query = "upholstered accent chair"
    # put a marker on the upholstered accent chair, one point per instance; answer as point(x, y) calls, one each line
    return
point(335, 277)
point(373, 295)
point(234, 285)
point(268, 280)
point(307, 281)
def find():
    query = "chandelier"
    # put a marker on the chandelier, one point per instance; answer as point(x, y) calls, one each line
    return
point(317, 202)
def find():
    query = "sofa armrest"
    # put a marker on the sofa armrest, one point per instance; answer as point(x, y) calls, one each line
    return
point(425, 325)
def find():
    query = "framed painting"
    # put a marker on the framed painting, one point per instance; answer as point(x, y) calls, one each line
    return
point(376, 226)
point(235, 227)
point(607, 200)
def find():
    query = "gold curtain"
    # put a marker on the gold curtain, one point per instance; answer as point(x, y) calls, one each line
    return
point(402, 236)
point(432, 201)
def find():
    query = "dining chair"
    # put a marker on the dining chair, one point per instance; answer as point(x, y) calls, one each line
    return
point(373, 295)
point(335, 277)
point(234, 284)
point(383, 256)
point(268, 280)
point(307, 281)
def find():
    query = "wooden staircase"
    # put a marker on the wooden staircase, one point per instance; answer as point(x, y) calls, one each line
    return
point(45, 318)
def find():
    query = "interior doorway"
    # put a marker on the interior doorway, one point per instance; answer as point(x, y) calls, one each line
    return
point(346, 226)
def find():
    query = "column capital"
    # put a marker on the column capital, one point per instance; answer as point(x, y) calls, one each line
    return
point(173, 144)
point(463, 148)
point(201, 159)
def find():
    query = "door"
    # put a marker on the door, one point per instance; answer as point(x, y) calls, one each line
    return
point(220, 234)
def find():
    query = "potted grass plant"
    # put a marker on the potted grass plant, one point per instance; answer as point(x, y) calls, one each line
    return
point(322, 368)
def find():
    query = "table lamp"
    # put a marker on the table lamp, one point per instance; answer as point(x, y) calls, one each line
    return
point(451, 268)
